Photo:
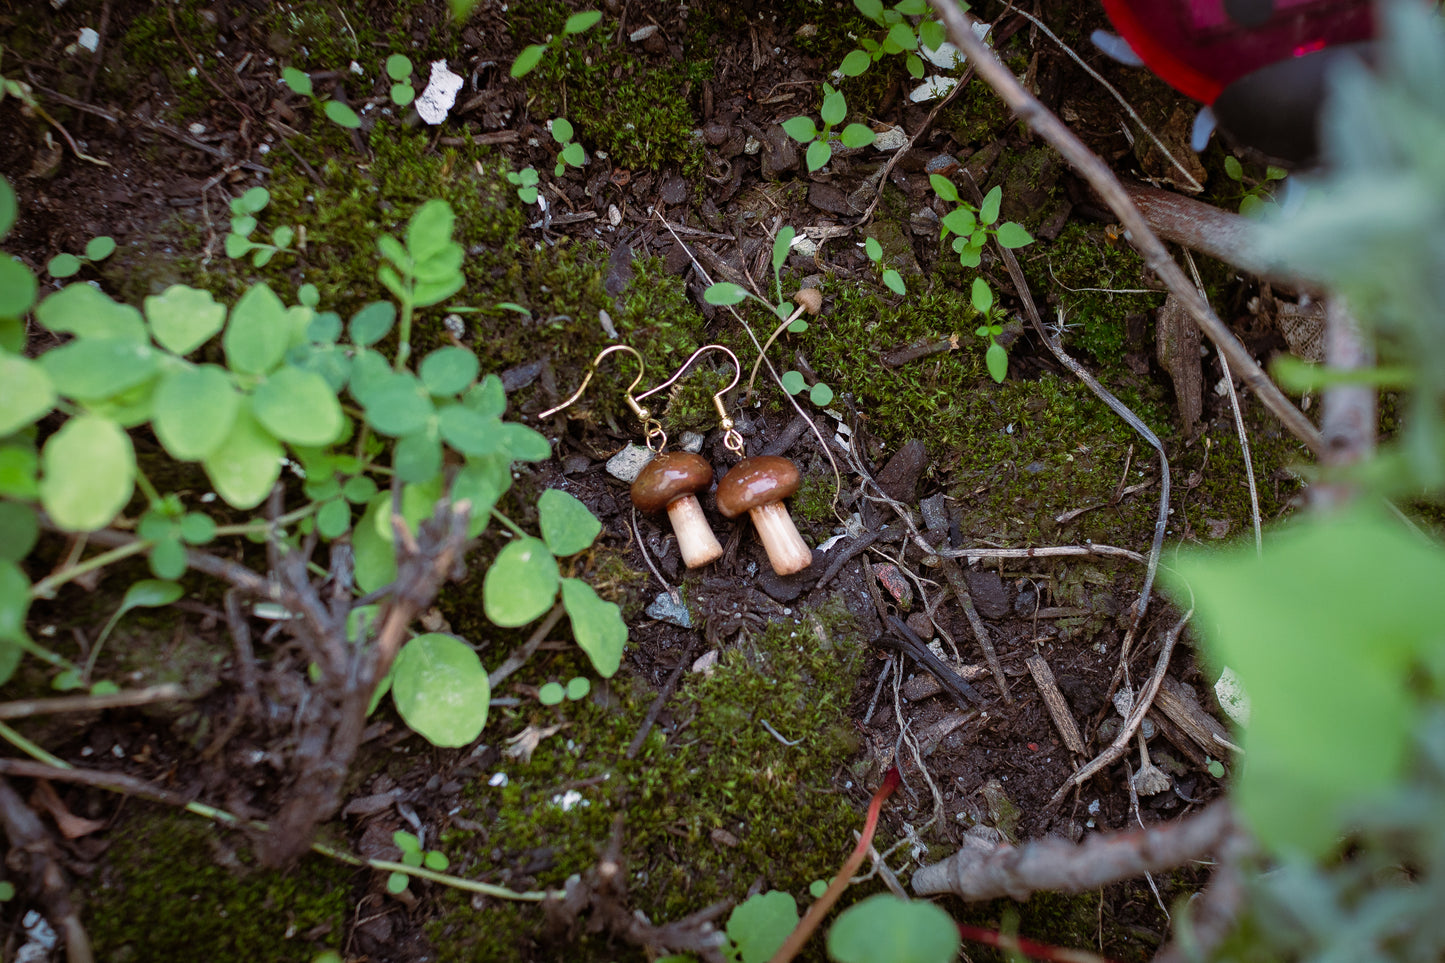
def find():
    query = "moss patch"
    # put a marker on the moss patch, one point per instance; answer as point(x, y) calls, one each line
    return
point(176, 888)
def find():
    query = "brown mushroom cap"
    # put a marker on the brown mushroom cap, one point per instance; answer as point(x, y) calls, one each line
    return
point(669, 477)
point(756, 481)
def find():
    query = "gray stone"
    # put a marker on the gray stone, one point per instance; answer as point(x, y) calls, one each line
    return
point(990, 596)
point(665, 609)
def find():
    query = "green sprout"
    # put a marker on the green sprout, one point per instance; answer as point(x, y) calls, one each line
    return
point(997, 356)
point(67, 265)
point(532, 54)
point(398, 68)
point(833, 112)
point(1255, 198)
point(891, 278)
point(975, 225)
point(571, 152)
point(337, 112)
point(901, 36)
point(553, 693)
point(526, 184)
point(243, 224)
point(413, 855)
point(820, 394)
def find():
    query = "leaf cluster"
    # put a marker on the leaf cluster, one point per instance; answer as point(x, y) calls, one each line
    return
point(532, 54)
point(973, 226)
point(819, 140)
point(338, 113)
point(68, 265)
point(901, 35)
point(239, 241)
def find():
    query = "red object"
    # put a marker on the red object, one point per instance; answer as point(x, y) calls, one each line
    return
point(1200, 47)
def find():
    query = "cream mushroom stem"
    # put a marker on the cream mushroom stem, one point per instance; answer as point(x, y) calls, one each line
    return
point(695, 540)
point(786, 549)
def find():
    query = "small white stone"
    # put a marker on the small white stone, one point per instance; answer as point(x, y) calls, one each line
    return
point(1232, 697)
point(197, 129)
point(893, 138)
point(498, 779)
point(614, 216)
point(356, 68)
point(625, 465)
point(440, 94)
point(932, 88)
point(89, 39)
point(642, 33)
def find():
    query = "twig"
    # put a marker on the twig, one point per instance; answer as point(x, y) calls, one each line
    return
point(36, 855)
point(973, 554)
point(1206, 921)
point(954, 575)
point(982, 870)
point(1102, 179)
point(24, 708)
point(522, 653)
point(1142, 702)
point(1054, 700)
point(654, 710)
point(1347, 417)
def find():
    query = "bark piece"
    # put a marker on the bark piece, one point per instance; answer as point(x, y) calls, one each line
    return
point(1058, 707)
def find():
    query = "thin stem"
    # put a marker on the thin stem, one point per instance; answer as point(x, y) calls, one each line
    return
point(45, 588)
point(516, 529)
point(403, 330)
point(147, 489)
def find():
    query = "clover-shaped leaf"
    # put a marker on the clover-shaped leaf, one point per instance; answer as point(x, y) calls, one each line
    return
point(568, 526)
point(441, 690)
point(522, 583)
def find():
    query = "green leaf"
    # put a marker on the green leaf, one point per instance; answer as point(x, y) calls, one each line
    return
point(574, 154)
point(372, 323)
point(761, 925)
point(341, 114)
point(902, 35)
point(417, 458)
point(333, 519)
point(597, 626)
point(873, 249)
point(100, 248)
point(283, 236)
point(568, 526)
point(17, 288)
point(884, 927)
point(398, 405)
point(19, 530)
point(932, 34)
point(183, 318)
point(801, 129)
point(438, 861)
point(798, 325)
point(911, 8)
point(93, 369)
point(246, 464)
point(981, 296)
point(525, 444)
point(1315, 625)
point(988, 213)
point(429, 232)
point(834, 108)
point(1233, 169)
point(194, 410)
point(579, 22)
point(819, 153)
point(252, 202)
point(398, 66)
point(528, 59)
point(481, 483)
point(471, 433)
point(150, 594)
point(855, 63)
point(431, 292)
point(449, 370)
point(402, 94)
point(298, 407)
point(14, 606)
point(26, 393)
point(872, 9)
point(259, 332)
point(821, 395)
point(1011, 234)
point(944, 188)
point(63, 266)
point(9, 209)
point(724, 293)
point(551, 693)
point(996, 358)
point(487, 397)
point(396, 883)
point(19, 464)
point(441, 690)
point(794, 382)
point(577, 688)
point(782, 243)
point(857, 135)
point(521, 585)
point(915, 66)
point(562, 131)
point(237, 246)
point(894, 282)
point(197, 528)
point(297, 80)
point(959, 221)
point(325, 328)
point(85, 312)
point(87, 473)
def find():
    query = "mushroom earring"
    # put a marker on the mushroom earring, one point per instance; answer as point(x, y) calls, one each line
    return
point(758, 486)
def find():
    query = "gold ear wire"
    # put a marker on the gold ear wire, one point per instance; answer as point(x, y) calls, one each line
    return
point(731, 438)
point(650, 428)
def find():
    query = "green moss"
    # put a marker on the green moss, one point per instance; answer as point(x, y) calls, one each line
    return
point(152, 44)
point(176, 888)
point(708, 810)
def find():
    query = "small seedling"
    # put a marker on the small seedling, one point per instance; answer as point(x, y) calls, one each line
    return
point(398, 68)
point(526, 183)
point(820, 394)
point(1215, 767)
point(67, 265)
point(571, 152)
point(1254, 198)
point(997, 356)
point(725, 293)
point(891, 278)
point(552, 693)
point(335, 111)
point(901, 37)
point(413, 855)
point(532, 54)
point(833, 112)
point(243, 224)
point(974, 225)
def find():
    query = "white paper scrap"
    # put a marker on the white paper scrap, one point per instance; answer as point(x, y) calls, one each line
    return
point(440, 94)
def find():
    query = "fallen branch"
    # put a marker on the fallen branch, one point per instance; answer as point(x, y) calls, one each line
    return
point(984, 870)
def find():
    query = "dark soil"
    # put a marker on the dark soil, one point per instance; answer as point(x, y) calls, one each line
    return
point(179, 142)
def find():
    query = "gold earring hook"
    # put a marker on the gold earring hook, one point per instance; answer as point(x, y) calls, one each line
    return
point(731, 438)
point(651, 429)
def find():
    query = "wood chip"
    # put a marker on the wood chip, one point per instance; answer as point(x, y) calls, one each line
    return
point(1058, 708)
point(1177, 702)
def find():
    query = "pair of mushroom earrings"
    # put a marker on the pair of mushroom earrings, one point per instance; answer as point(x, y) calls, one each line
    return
point(672, 480)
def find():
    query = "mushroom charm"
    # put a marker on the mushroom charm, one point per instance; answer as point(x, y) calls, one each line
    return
point(670, 481)
point(758, 486)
